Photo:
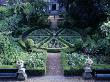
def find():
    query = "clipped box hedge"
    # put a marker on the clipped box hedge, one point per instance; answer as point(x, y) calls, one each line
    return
point(36, 72)
point(66, 42)
point(75, 71)
point(101, 66)
point(30, 72)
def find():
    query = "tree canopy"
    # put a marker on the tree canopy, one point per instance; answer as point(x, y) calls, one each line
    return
point(87, 12)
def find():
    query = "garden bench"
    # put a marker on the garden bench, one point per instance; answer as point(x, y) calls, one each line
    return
point(13, 73)
point(102, 74)
point(8, 73)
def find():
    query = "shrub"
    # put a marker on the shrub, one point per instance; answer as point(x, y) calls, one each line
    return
point(10, 24)
point(8, 54)
point(101, 66)
point(77, 71)
point(29, 42)
point(2, 12)
point(78, 44)
point(28, 8)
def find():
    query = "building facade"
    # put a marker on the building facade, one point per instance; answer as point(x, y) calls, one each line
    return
point(53, 6)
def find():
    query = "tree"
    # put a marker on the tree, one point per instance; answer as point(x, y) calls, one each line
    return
point(86, 13)
point(66, 4)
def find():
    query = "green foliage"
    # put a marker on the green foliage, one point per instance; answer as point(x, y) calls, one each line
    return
point(103, 43)
point(97, 47)
point(28, 8)
point(5, 12)
point(9, 12)
point(36, 72)
point(105, 29)
point(18, 9)
point(74, 59)
point(39, 5)
point(86, 13)
point(3, 9)
point(36, 60)
point(78, 44)
point(2, 12)
point(101, 66)
point(29, 42)
point(77, 71)
point(7, 66)
point(89, 43)
point(8, 53)
point(38, 19)
point(10, 24)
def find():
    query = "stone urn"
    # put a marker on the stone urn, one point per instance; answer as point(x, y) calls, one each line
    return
point(87, 69)
point(21, 74)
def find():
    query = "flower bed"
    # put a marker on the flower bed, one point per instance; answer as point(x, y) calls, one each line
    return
point(72, 63)
point(36, 62)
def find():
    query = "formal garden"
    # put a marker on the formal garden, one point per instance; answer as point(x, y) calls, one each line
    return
point(81, 37)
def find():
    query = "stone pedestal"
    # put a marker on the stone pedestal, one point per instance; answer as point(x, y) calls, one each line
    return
point(87, 73)
point(21, 75)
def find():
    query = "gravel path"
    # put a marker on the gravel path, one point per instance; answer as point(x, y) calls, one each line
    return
point(53, 64)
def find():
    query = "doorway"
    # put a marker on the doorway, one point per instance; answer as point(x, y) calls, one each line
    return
point(53, 7)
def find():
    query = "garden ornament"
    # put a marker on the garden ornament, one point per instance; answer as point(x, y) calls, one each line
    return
point(87, 69)
point(21, 74)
